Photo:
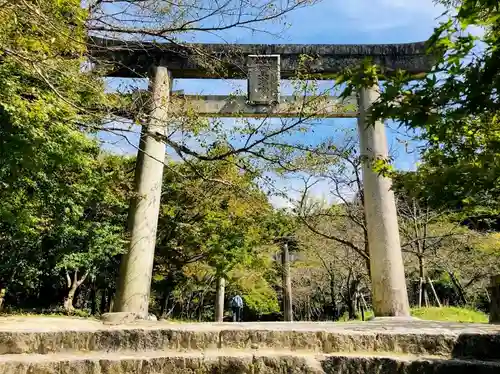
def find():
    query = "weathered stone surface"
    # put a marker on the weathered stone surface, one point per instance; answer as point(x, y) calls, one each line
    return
point(134, 281)
point(235, 362)
point(229, 60)
point(237, 106)
point(119, 318)
point(263, 79)
point(51, 335)
point(389, 294)
point(107, 340)
point(480, 346)
point(161, 362)
point(404, 365)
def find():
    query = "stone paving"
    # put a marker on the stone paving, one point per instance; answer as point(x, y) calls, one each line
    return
point(389, 325)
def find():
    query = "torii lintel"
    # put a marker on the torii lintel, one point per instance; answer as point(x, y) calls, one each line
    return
point(217, 61)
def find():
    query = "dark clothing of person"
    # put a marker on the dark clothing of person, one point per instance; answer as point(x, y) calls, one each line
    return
point(237, 307)
point(237, 313)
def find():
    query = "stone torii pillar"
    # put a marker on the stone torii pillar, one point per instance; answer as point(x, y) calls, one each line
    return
point(134, 283)
point(390, 297)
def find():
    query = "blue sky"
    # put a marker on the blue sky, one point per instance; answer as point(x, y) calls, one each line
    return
point(329, 22)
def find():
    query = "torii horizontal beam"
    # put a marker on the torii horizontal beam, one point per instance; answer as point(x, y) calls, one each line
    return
point(230, 106)
point(134, 59)
point(288, 107)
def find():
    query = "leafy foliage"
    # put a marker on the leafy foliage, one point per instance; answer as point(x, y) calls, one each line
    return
point(56, 186)
point(450, 314)
point(455, 107)
point(217, 224)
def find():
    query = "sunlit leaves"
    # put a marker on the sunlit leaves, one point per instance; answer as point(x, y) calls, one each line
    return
point(64, 202)
point(455, 105)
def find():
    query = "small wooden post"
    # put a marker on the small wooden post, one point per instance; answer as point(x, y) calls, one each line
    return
point(219, 299)
point(420, 292)
point(434, 292)
point(287, 283)
point(495, 299)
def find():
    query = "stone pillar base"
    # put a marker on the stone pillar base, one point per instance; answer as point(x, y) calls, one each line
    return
point(119, 318)
point(393, 319)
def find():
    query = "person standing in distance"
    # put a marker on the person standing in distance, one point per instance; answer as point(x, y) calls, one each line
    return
point(237, 307)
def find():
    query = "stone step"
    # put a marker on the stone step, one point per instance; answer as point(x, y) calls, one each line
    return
point(60, 335)
point(53, 335)
point(236, 362)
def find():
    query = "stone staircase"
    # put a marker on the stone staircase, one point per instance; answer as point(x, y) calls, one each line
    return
point(77, 346)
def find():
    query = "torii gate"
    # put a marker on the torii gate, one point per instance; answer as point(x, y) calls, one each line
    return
point(263, 66)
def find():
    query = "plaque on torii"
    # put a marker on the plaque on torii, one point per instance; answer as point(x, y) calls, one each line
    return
point(263, 79)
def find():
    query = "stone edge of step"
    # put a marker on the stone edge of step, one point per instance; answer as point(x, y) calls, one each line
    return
point(216, 355)
point(210, 353)
point(137, 339)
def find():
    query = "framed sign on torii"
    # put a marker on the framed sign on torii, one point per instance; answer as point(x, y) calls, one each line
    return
point(264, 79)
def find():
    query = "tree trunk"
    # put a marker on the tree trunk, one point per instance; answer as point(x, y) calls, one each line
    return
point(350, 307)
point(68, 303)
point(352, 290)
point(332, 295)
point(422, 292)
point(308, 306)
point(459, 288)
point(188, 307)
point(219, 299)
point(164, 304)
point(111, 300)
point(102, 307)
point(167, 291)
point(73, 286)
point(367, 264)
point(202, 306)
point(364, 307)
point(3, 292)
point(495, 299)
point(360, 307)
point(93, 300)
